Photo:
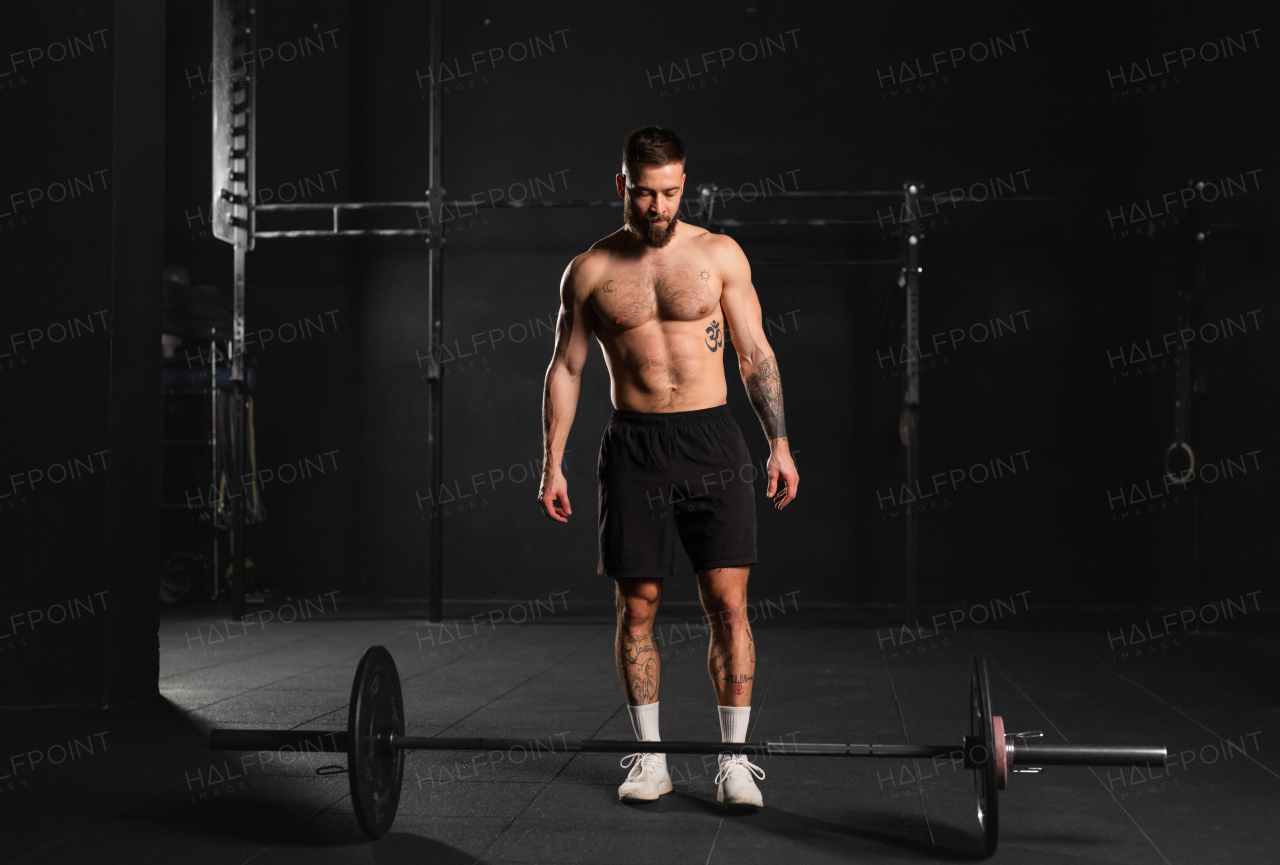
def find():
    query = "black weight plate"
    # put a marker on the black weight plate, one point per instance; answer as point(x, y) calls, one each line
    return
point(983, 738)
point(375, 769)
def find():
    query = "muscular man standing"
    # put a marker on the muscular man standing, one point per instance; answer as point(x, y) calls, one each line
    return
point(662, 297)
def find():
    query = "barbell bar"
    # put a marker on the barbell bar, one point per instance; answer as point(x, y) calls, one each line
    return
point(375, 742)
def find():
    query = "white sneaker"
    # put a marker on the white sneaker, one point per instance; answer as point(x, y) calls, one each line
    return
point(737, 788)
point(647, 780)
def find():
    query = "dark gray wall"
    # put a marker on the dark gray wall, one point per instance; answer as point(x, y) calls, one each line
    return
point(351, 120)
point(819, 110)
point(80, 503)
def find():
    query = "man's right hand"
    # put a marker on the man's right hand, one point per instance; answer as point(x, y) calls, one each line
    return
point(554, 487)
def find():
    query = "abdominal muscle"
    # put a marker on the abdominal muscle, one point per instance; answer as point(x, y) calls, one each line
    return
point(664, 367)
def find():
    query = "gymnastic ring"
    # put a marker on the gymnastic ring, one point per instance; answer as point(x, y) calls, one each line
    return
point(904, 427)
point(1187, 474)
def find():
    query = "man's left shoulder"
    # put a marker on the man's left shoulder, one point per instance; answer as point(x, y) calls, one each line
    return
point(721, 247)
point(726, 256)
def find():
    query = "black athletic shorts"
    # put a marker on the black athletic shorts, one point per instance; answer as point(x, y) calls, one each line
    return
point(685, 472)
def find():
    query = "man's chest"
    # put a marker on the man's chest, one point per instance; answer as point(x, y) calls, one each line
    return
point(683, 290)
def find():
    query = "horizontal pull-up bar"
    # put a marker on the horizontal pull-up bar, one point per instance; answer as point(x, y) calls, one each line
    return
point(345, 205)
point(1024, 198)
point(837, 193)
point(336, 209)
point(800, 262)
point(785, 221)
point(538, 202)
point(348, 232)
point(415, 205)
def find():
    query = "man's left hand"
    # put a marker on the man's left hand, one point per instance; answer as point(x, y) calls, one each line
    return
point(784, 480)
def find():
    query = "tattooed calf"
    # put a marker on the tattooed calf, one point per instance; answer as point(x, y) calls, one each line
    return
point(643, 687)
point(640, 667)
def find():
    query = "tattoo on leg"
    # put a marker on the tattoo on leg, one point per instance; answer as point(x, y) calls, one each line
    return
point(720, 658)
point(764, 388)
point(739, 681)
point(639, 667)
point(643, 686)
point(751, 645)
point(637, 645)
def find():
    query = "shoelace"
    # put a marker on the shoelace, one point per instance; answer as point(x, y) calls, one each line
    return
point(637, 763)
point(737, 760)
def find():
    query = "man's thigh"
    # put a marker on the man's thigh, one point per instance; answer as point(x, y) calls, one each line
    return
point(635, 519)
point(716, 515)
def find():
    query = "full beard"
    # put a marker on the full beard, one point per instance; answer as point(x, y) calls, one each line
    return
point(641, 228)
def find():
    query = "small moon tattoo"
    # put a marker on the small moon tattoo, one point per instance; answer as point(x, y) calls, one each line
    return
point(606, 285)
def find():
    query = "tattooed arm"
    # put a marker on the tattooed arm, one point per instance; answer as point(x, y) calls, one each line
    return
point(764, 387)
point(757, 365)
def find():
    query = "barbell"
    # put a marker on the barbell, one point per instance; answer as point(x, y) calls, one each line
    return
point(374, 742)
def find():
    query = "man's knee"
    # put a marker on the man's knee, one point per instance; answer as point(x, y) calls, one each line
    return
point(724, 597)
point(637, 604)
point(727, 613)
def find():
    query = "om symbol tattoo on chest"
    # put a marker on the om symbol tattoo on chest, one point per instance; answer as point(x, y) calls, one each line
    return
point(715, 337)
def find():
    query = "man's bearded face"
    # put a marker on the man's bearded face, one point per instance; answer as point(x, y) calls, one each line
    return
point(651, 202)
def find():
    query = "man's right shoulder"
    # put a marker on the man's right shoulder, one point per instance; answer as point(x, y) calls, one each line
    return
point(582, 270)
point(585, 269)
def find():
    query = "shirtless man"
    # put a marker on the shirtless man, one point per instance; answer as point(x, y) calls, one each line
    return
point(663, 297)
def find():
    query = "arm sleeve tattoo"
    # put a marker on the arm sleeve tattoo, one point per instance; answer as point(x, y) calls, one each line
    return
point(764, 388)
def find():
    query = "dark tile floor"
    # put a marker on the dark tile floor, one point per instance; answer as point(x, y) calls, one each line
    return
point(143, 787)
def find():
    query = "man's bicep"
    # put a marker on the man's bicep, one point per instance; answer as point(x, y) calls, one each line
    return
point(739, 300)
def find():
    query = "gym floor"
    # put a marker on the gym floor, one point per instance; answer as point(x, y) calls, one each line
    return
point(144, 787)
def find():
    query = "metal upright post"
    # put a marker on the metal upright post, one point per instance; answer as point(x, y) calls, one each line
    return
point(239, 409)
point(216, 582)
point(1194, 311)
point(910, 422)
point(235, 37)
point(1191, 286)
point(435, 295)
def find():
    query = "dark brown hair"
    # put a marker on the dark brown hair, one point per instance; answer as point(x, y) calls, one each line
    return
point(651, 145)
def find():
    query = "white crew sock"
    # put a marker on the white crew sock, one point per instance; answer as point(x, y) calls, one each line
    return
point(734, 721)
point(644, 720)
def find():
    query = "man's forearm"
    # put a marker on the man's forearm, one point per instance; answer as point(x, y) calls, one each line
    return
point(559, 405)
point(764, 389)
